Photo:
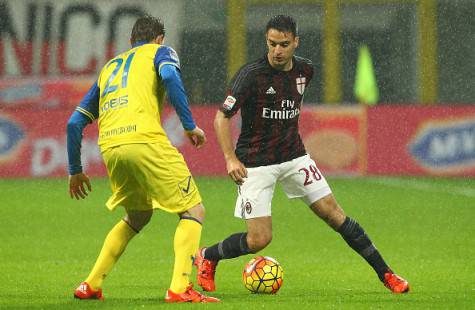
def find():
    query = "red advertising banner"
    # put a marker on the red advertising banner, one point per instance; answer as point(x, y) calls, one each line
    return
point(33, 141)
point(33, 144)
point(381, 140)
point(421, 140)
point(335, 137)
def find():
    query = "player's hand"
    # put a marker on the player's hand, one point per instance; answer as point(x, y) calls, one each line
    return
point(196, 136)
point(236, 170)
point(76, 186)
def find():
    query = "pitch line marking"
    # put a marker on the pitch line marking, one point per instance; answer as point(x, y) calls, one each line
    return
point(424, 186)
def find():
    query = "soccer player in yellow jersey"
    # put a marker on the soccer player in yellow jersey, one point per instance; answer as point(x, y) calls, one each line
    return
point(146, 172)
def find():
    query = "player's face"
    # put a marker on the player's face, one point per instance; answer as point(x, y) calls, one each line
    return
point(281, 46)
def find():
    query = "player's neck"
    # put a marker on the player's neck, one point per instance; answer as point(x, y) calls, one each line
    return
point(281, 67)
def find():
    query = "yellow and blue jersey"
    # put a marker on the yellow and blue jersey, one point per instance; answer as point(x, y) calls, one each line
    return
point(127, 100)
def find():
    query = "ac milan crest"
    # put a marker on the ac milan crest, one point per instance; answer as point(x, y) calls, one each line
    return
point(248, 207)
point(300, 84)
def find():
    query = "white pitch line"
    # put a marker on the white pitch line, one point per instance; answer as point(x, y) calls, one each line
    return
point(424, 186)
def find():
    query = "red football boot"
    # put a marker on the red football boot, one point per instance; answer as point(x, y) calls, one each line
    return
point(206, 271)
point(395, 283)
point(190, 295)
point(84, 291)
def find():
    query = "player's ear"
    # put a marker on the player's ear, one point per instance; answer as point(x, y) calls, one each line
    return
point(159, 39)
point(296, 41)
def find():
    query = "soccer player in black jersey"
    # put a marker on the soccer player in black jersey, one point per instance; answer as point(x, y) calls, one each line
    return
point(269, 93)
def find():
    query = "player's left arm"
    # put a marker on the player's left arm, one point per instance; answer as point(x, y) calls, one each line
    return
point(84, 114)
point(168, 68)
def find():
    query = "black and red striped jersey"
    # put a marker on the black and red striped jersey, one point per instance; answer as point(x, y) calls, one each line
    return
point(270, 102)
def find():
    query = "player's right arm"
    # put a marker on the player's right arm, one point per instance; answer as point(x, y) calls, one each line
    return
point(238, 94)
point(236, 169)
point(84, 114)
point(239, 91)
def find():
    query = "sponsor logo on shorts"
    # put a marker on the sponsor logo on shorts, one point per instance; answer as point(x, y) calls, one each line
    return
point(186, 186)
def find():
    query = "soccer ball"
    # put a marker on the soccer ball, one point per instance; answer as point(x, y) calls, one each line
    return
point(263, 275)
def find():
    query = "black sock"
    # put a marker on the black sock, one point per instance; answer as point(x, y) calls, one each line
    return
point(357, 239)
point(233, 246)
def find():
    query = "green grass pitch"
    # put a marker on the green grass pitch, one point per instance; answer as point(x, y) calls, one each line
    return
point(423, 227)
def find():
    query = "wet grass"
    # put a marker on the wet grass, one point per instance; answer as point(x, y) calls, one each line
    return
point(48, 243)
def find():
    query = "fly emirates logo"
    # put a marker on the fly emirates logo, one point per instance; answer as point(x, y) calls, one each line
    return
point(287, 111)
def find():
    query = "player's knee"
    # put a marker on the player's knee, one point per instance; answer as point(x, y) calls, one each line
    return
point(197, 212)
point(258, 242)
point(328, 210)
point(138, 219)
point(336, 217)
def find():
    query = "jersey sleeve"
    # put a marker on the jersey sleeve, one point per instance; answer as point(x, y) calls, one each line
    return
point(89, 106)
point(166, 56)
point(311, 70)
point(176, 95)
point(308, 69)
point(76, 124)
point(85, 113)
point(239, 91)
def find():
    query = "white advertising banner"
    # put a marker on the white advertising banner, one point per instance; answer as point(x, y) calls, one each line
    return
point(73, 38)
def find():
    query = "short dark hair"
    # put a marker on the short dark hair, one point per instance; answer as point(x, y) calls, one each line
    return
point(283, 23)
point(147, 28)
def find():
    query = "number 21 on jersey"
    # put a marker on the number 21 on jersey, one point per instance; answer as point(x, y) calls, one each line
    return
point(118, 62)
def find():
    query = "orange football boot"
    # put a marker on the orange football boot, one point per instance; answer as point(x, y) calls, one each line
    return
point(84, 291)
point(206, 271)
point(395, 283)
point(190, 295)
